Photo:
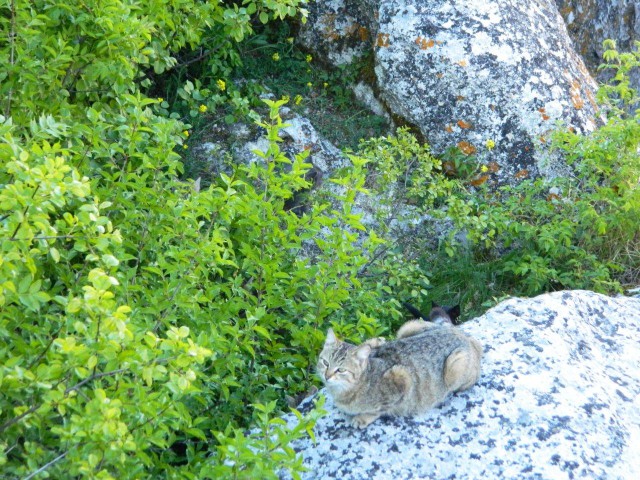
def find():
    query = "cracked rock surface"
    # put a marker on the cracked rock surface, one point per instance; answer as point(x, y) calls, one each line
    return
point(468, 73)
point(559, 397)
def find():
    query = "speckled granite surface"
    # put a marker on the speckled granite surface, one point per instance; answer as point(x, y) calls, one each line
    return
point(491, 78)
point(559, 397)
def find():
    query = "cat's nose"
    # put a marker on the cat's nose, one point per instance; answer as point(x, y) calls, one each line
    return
point(330, 373)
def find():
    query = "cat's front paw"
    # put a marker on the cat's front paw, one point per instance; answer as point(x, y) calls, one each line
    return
point(363, 420)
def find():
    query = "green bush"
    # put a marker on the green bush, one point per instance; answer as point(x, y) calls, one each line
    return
point(146, 325)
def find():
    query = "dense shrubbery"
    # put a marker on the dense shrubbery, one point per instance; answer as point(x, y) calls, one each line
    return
point(140, 319)
point(578, 231)
point(145, 324)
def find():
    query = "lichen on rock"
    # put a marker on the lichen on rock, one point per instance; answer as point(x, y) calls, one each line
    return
point(469, 72)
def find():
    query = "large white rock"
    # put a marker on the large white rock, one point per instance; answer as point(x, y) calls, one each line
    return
point(559, 397)
point(492, 78)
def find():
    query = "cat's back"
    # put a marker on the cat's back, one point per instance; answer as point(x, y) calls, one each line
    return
point(433, 345)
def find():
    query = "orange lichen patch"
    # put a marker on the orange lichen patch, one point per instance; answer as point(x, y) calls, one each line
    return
point(424, 43)
point(439, 75)
point(463, 63)
point(382, 40)
point(329, 32)
point(467, 148)
point(542, 139)
point(460, 98)
point(448, 129)
point(566, 11)
point(544, 114)
point(476, 182)
point(576, 98)
point(492, 107)
point(363, 33)
point(493, 167)
point(552, 196)
point(463, 124)
point(524, 173)
point(592, 100)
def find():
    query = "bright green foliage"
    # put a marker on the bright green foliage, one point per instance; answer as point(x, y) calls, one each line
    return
point(406, 169)
point(144, 325)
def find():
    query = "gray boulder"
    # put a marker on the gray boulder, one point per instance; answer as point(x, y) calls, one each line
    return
point(590, 22)
point(491, 78)
point(559, 397)
point(225, 145)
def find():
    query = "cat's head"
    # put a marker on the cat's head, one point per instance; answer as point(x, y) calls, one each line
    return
point(341, 364)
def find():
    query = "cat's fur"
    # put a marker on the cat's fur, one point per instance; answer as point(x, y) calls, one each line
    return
point(405, 376)
point(437, 316)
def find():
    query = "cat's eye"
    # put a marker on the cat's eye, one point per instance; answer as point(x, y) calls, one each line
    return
point(340, 370)
point(324, 362)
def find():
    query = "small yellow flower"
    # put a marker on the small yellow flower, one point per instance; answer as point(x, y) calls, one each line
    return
point(325, 84)
point(185, 146)
point(298, 99)
point(484, 169)
point(276, 56)
point(309, 84)
point(490, 144)
point(202, 108)
point(221, 85)
point(160, 99)
point(290, 39)
point(186, 133)
point(309, 58)
point(285, 98)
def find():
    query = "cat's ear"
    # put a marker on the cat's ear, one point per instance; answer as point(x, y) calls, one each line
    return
point(454, 312)
point(331, 337)
point(362, 352)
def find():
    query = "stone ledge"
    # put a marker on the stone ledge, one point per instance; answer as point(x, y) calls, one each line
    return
point(559, 397)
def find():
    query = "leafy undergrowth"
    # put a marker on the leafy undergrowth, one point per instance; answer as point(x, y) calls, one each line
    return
point(146, 324)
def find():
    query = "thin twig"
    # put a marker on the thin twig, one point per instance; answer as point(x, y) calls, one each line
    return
point(44, 352)
point(24, 214)
point(373, 259)
point(94, 377)
point(14, 420)
point(47, 237)
point(44, 467)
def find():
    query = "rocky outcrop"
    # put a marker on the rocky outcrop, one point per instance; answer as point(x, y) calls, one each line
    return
point(491, 78)
point(590, 22)
point(559, 397)
point(225, 145)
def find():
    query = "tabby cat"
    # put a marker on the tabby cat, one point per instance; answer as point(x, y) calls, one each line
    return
point(406, 376)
